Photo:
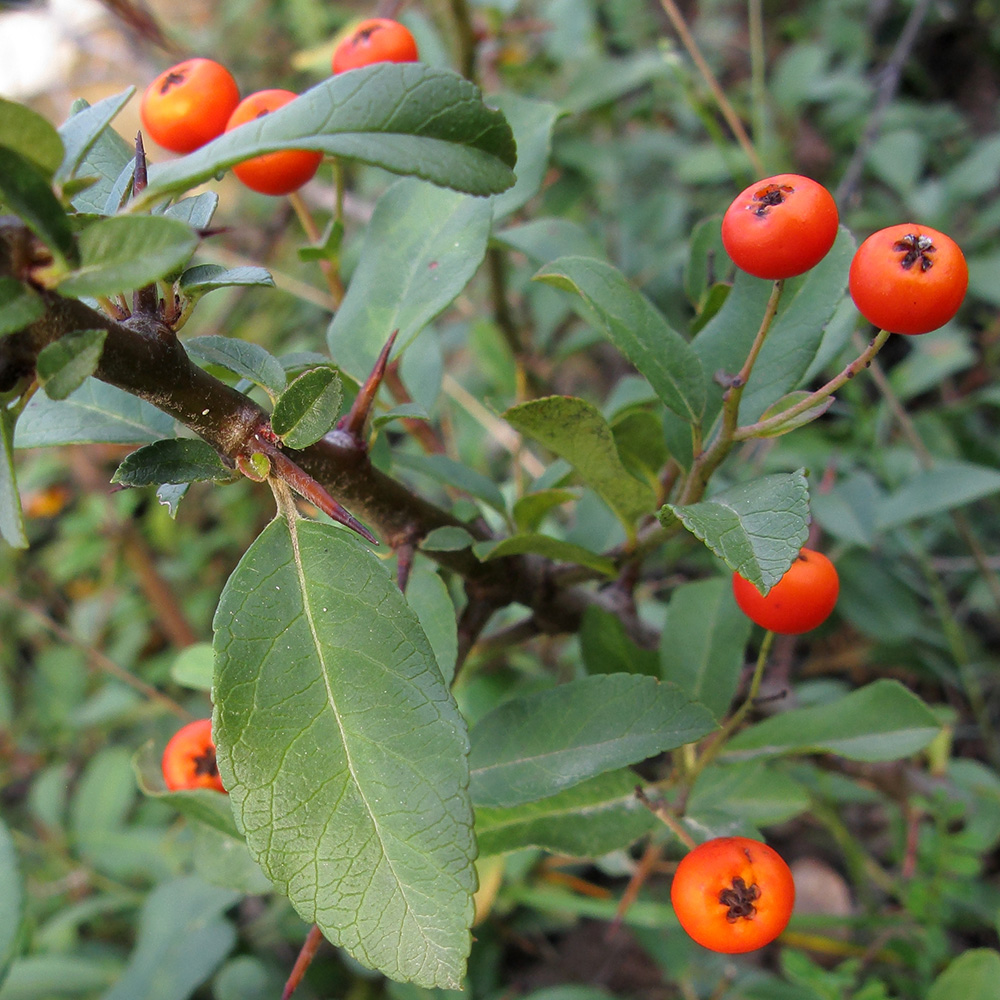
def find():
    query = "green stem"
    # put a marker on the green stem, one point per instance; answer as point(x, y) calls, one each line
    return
point(863, 360)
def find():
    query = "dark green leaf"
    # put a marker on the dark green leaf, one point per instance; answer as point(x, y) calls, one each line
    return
point(11, 901)
point(944, 487)
point(240, 357)
point(308, 408)
point(545, 545)
point(607, 649)
point(575, 430)
point(19, 306)
point(535, 746)
point(882, 721)
point(176, 460)
point(11, 517)
point(532, 123)
point(344, 753)
point(637, 329)
point(65, 363)
point(25, 190)
point(128, 252)
point(421, 247)
point(96, 412)
point(28, 133)
point(204, 278)
point(590, 819)
point(755, 528)
point(408, 118)
point(703, 643)
point(90, 146)
point(182, 940)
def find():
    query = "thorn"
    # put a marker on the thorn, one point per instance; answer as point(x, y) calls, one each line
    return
point(308, 952)
point(307, 487)
point(354, 422)
point(139, 177)
point(145, 300)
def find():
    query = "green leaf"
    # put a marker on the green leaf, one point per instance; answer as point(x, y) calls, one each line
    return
point(881, 721)
point(19, 306)
point(973, 975)
point(225, 861)
point(176, 460)
point(128, 252)
point(90, 146)
point(25, 190)
point(786, 403)
point(576, 431)
point(96, 412)
point(806, 307)
point(344, 753)
point(607, 649)
point(587, 820)
point(756, 792)
point(446, 470)
point(544, 545)
point(203, 805)
point(11, 901)
point(637, 329)
point(755, 528)
point(65, 363)
point(194, 667)
point(529, 511)
point(43, 977)
point(308, 408)
point(28, 133)
point(11, 516)
point(408, 118)
point(197, 211)
point(449, 538)
point(249, 361)
point(183, 938)
point(703, 643)
point(532, 122)
point(534, 746)
point(421, 247)
point(542, 240)
point(932, 491)
point(204, 278)
point(427, 594)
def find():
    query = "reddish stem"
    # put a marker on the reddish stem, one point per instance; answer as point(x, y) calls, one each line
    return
point(312, 942)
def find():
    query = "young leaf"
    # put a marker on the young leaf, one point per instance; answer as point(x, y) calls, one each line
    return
point(28, 133)
point(637, 329)
point(176, 460)
point(587, 820)
point(11, 517)
point(249, 361)
point(89, 143)
point(575, 430)
point(19, 306)
point(421, 247)
point(25, 190)
point(344, 753)
point(787, 402)
point(128, 252)
point(755, 528)
point(534, 746)
point(308, 408)
point(65, 363)
point(703, 642)
point(408, 118)
point(881, 721)
point(96, 412)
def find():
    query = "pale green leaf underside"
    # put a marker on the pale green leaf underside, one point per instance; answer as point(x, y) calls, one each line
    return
point(409, 118)
point(344, 753)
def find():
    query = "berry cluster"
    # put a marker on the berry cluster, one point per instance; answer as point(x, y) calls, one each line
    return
point(198, 100)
